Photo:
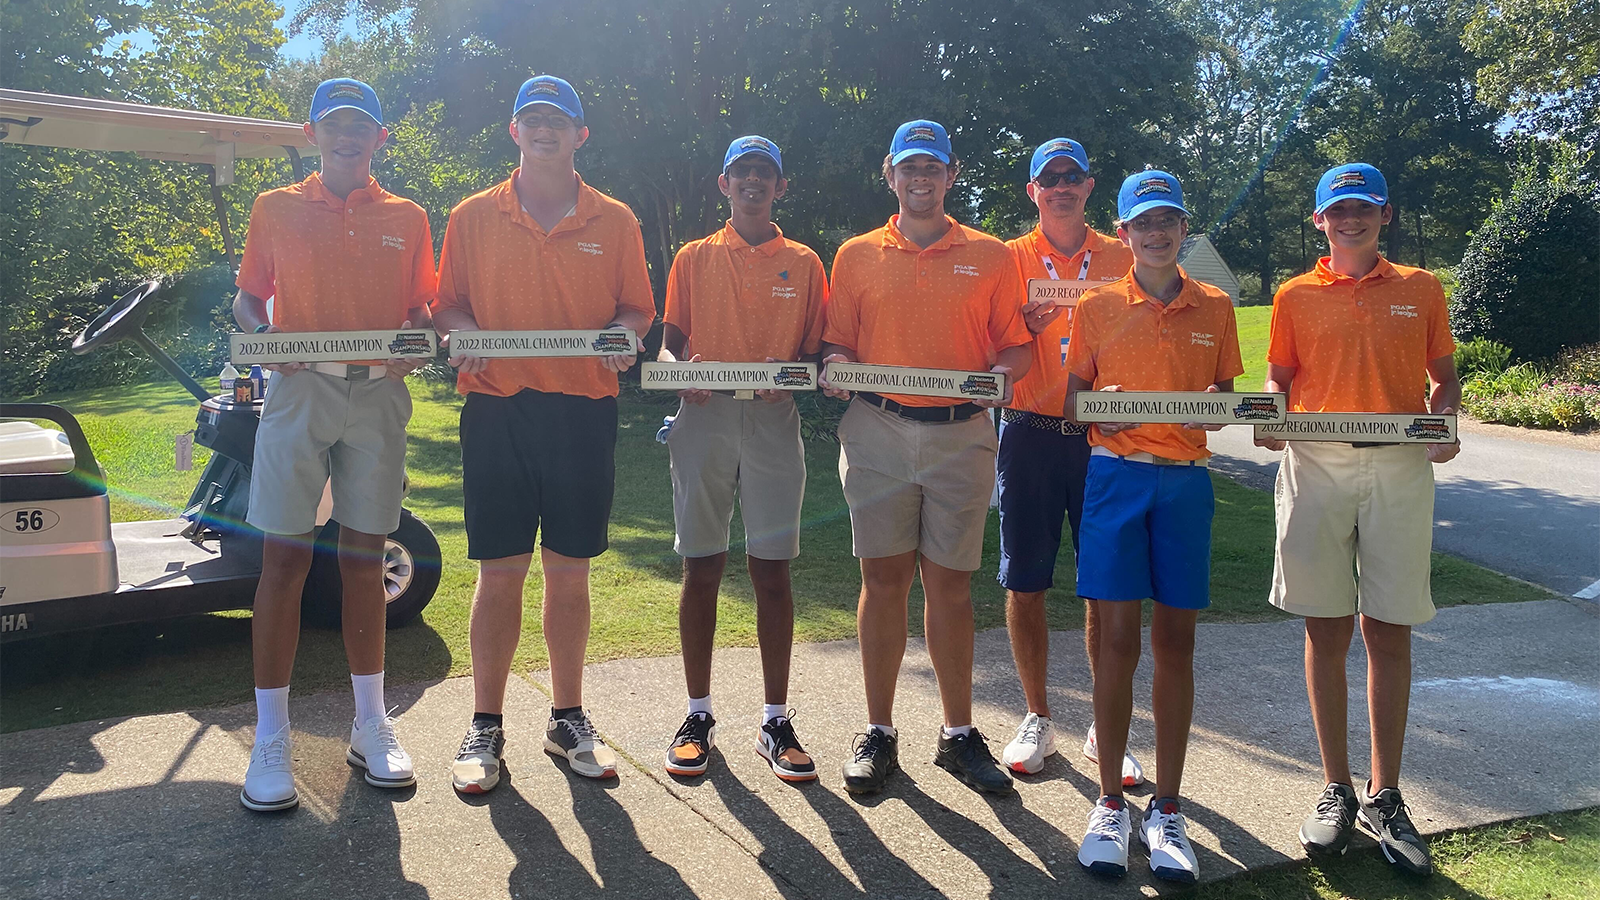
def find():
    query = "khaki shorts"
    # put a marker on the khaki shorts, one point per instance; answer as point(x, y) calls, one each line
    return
point(1340, 506)
point(748, 447)
point(917, 485)
point(316, 428)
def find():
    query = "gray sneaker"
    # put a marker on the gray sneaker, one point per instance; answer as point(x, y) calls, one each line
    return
point(1387, 817)
point(576, 740)
point(1327, 831)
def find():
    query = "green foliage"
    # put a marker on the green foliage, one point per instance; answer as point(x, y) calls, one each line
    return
point(1543, 65)
point(1564, 393)
point(1580, 364)
point(1531, 276)
point(1481, 355)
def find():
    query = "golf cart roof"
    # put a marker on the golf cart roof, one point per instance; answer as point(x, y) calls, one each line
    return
point(154, 132)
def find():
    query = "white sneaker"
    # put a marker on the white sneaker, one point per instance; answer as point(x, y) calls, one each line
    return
point(268, 783)
point(1104, 850)
point(1163, 833)
point(1035, 740)
point(1132, 772)
point(374, 748)
point(577, 741)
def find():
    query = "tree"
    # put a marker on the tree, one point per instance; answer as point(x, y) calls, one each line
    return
point(1542, 65)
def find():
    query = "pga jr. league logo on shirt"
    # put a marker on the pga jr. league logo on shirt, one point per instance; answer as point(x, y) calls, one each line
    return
point(784, 291)
point(591, 248)
point(1401, 309)
point(967, 270)
point(394, 243)
point(1202, 339)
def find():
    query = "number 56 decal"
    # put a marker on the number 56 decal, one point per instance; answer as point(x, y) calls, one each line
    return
point(28, 521)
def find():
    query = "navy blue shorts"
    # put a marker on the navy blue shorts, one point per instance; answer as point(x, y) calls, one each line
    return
point(1147, 533)
point(1041, 475)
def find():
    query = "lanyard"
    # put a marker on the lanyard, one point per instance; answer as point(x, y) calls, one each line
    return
point(1050, 267)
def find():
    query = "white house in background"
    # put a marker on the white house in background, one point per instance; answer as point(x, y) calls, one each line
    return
point(1201, 260)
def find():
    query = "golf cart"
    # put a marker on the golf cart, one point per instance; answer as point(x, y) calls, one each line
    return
point(63, 564)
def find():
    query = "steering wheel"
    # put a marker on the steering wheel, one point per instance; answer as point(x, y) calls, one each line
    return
point(119, 320)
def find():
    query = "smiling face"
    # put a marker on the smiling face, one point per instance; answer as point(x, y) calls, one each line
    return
point(545, 134)
point(752, 183)
point(1353, 225)
point(347, 138)
point(1063, 201)
point(1155, 236)
point(921, 182)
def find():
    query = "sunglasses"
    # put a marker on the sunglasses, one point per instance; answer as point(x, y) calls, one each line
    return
point(535, 121)
point(740, 171)
point(1051, 179)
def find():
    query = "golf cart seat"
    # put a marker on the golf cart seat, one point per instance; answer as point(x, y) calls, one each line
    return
point(29, 449)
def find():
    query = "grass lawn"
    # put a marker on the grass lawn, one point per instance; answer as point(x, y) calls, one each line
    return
point(1253, 322)
point(152, 668)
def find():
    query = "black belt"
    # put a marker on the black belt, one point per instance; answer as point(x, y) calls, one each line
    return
point(958, 413)
point(1041, 422)
point(1364, 445)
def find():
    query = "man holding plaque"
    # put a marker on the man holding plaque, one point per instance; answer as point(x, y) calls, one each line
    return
point(743, 294)
point(1359, 334)
point(1147, 509)
point(539, 251)
point(335, 252)
point(918, 471)
point(1044, 458)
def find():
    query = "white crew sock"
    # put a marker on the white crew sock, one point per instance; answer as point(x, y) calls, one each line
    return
point(958, 731)
point(770, 711)
point(886, 729)
point(700, 705)
point(369, 695)
point(272, 711)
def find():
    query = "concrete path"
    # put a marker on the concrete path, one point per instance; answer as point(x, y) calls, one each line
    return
point(1505, 716)
point(1526, 508)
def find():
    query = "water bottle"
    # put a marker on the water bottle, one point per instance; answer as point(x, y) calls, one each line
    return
point(258, 383)
point(229, 377)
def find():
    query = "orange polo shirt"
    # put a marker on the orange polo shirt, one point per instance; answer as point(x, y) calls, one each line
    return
point(1360, 345)
point(356, 264)
point(512, 275)
point(739, 303)
point(952, 305)
point(1121, 335)
point(1044, 389)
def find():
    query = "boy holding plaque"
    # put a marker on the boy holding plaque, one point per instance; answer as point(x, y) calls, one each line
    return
point(918, 471)
point(1147, 509)
point(539, 251)
point(1044, 458)
point(335, 252)
point(743, 294)
point(1359, 334)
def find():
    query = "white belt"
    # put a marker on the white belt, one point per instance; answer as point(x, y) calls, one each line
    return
point(1140, 456)
point(348, 372)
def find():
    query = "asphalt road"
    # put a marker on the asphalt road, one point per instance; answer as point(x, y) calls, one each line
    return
point(1525, 508)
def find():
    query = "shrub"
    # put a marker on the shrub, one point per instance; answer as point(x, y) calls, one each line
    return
point(1481, 355)
point(1580, 364)
point(1530, 279)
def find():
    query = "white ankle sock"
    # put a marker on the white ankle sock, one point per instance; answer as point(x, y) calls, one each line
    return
point(700, 705)
point(886, 729)
point(958, 731)
point(369, 695)
point(272, 711)
point(770, 711)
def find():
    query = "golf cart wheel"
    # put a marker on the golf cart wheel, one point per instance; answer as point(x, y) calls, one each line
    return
point(410, 574)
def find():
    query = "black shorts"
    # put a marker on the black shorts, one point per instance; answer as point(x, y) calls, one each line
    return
point(538, 462)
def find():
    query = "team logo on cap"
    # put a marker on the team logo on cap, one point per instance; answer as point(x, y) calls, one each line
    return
point(1066, 146)
point(921, 133)
point(755, 143)
point(544, 87)
point(346, 92)
point(1347, 179)
point(1153, 185)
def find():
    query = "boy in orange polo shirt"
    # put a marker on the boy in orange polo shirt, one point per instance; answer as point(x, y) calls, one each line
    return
point(743, 294)
point(335, 252)
point(1147, 509)
point(1359, 334)
point(539, 251)
point(918, 472)
point(1044, 459)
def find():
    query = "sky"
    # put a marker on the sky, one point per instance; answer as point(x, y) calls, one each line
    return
point(302, 46)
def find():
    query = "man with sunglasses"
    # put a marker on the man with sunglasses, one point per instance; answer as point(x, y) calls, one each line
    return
point(540, 251)
point(1147, 509)
point(1044, 458)
point(918, 472)
point(743, 294)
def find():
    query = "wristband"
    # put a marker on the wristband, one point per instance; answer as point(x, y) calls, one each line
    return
point(263, 327)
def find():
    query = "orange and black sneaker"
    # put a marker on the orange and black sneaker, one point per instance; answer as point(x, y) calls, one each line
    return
point(778, 745)
point(690, 752)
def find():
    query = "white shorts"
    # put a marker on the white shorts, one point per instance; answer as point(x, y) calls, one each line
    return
point(316, 428)
point(1370, 508)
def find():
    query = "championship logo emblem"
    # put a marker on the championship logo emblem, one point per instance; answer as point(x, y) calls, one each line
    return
point(613, 342)
point(920, 133)
point(410, 343)
point(544, 87)
point(980, 386)
point(792, 376)
point(1152, 185)
point(1348, 179)
point(1060, 147)
point(346, 92)
point(1250, 408)
point(1428, 429)
point(754, 143)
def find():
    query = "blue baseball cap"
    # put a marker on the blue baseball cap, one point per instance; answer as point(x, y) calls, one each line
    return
point(1356, 180)
point(1056, 148)
point(345, 93)
point(921, 136)
point(551, 91)
point(752, 143)
point(1147, 190)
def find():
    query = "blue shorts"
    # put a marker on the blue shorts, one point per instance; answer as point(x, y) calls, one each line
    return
point(1147, 533)
point(1041, 476)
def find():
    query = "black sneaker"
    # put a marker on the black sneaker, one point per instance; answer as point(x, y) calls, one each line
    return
point(778, 745)
point(476, 769)
point(877, 754)
point(690, 752)
point(967, 757)
point(1326, 832)
point(1387, 817)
